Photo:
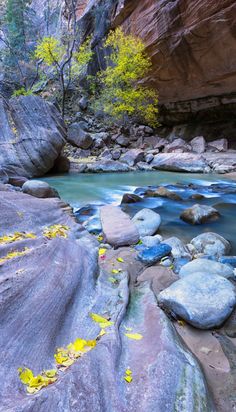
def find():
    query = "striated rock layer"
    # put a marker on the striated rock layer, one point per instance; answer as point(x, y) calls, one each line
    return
point(32, 135)
point(192, 46)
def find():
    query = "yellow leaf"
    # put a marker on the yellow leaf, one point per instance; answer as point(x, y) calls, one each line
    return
point(103, 322)
point(102, 251)
point(79, 344)
point(36, 381)
point(135, 336)
point(128, 372)
point(119, 259)
point(25, 375)
point(128, 378)
point(91, 343)
point(32, 390)
point(102, 332)
point(181, 322)
point(51, 373)
point(115, 271)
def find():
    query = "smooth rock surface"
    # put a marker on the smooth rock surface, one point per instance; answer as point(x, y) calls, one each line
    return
point(78, 137)
point(117, 227)
point(132, 156)
point(39, 188)
point(149, 241)
point(107, 166)
point(211, 243)
point(198, 144)
point(147, 222)
point(207, 266)
point(180, 162)
point(203, 300)
point(178, 248)
point(32, 135)
point(198, 214)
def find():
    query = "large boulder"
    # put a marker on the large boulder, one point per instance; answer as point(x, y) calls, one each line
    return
point(198, 144)
point(180, 162)
point(201, 299)
point(117, 227)
point(198, 214)
point(147, 222)
point(207, 266)
point(78, 137)
point(211, 243)
point(39, 188)
point(32, 135)
point(220, 145)
point(132, 156)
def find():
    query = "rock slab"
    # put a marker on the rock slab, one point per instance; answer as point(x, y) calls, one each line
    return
point(117, 227)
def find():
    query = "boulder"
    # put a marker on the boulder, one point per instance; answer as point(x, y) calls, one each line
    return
point(163, 192)
point(149, 241)
point(147, 222)
point(17, 181)
point(201, 299)
point(180, 162)
point(116, 153)
point(106, 154)
point(83, 103)
point(178, 248)
point(144, 166)
point(132, 156)
point(178, 146)
point(122, 141)
point(78, 137)
point(38, 188)
point(198, 214)
point(220, 145)
point(130, 198)
point(154, 254)
point(207, 266)
point(149, 157)
point(117, 227)
point(107, 166)
point(211, 244)
point(198, 144)
point(32, 135)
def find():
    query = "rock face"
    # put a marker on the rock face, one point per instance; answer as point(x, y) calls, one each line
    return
point(204, 300)
point(193, 70)
point(198, 214)
point(117, 227)
point(32, 136)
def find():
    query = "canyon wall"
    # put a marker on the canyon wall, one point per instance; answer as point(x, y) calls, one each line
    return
point(192, 45)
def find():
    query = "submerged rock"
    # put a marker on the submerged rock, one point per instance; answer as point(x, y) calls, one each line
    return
point(130, 198)
point(207, 266)
point(153, 254)
point(201, 299)
point(163, 192)
point(211, 243)
point(147, 222)
point(117, 227)
point(198, 214)
point(39, 188)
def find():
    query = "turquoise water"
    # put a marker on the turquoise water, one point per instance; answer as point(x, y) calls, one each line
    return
point(82, 189)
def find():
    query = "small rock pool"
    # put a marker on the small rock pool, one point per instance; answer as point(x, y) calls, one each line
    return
point(97, 189)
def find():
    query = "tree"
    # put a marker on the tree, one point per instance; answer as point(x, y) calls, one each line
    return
point(122, 95)
point(64, 60)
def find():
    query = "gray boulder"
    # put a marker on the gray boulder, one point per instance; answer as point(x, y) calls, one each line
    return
point(201, 299)
point(83, 103)
point(38, 188)
point(219, 145)
point(207, 266)
point(147, 222)
point(179, 249)
point(117, 227)
point(132, 157)
point(178, 145)
point(78, 137)
point(32, 135)
point(122, 141)
point(198, 214)
point(150, 241)
point(180, 162)
point(198, 144)
point(116, 153)
point(212, 244)
point(107, 166)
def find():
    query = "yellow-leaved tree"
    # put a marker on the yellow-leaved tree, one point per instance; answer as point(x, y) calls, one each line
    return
point(65, 60)
point(123, 96)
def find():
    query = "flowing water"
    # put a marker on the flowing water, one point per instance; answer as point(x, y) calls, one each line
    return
point(97, 189)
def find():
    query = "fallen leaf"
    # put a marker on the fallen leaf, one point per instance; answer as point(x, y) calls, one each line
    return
point(135, 336)
point(120, 259)
point(115, 271)
point(103, 322)
point(128, 372)
point(25, 375)
point(128, 378)
point(102, 251)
